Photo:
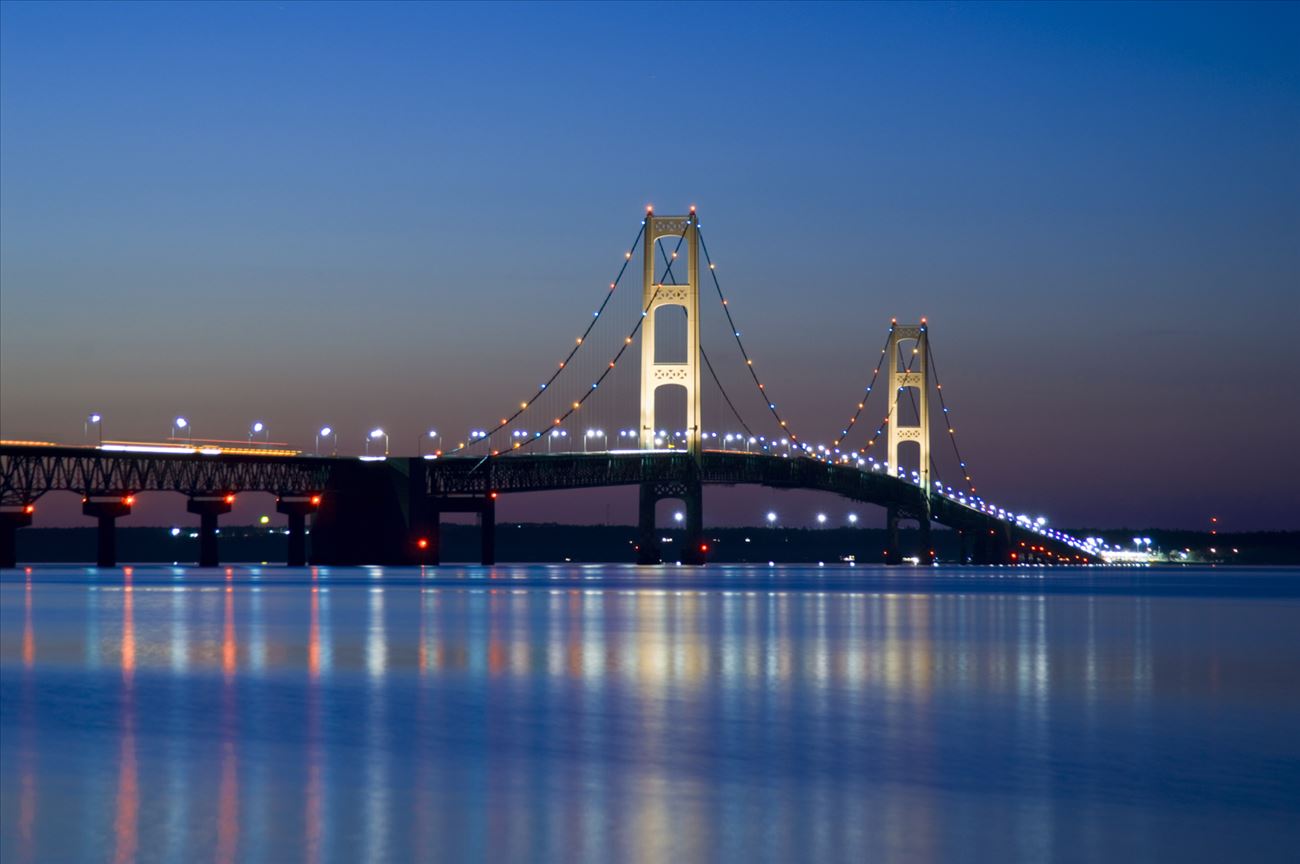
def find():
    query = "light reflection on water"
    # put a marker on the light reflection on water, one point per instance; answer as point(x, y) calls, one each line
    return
point(601, 714)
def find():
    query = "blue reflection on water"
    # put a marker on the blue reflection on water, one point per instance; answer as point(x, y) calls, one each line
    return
point(610, 713)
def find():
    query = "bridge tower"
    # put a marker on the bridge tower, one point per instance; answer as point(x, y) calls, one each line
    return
point(655, 295)
point(906, 375)
point(655, 374)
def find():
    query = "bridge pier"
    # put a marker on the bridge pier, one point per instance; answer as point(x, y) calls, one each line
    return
point(691, 494)
point(427, 524)
point(993, 547)
point(893, 547)
point(10, 522)
point(297, 509)
point(926, 554)
point(208, 509)
point(893, 554)
point(107, 512)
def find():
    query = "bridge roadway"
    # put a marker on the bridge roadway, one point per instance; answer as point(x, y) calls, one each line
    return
point(388, 512)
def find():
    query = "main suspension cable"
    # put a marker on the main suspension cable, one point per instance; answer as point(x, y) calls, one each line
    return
point(578, 343)
point(952, 433)
point(749, 433)
point(867, 393)
point(749, 362)
point(577, 405)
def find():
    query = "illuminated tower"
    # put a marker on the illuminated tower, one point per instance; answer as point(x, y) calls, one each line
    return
point(656, 374)
point(910, 371)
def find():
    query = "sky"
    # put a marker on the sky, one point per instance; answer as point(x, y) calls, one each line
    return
point(400, 215)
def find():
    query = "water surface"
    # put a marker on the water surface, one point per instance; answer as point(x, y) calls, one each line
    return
point(598, 713)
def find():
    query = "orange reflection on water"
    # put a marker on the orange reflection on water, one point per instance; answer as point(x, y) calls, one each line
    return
point(228, 794)
point(313, 635)
point(229, 647)
point(126, 823)
point(27, 751)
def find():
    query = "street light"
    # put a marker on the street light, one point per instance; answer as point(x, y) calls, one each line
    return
point(258, 428)
point(555, 433)
point(594, 433)
point(771, 518)
point(326, 432)
point(93, 420)
point(821, 518)
point(433, 434)
point(375, 435)
point(853, 518)
point(180, 423)
point(679, 516)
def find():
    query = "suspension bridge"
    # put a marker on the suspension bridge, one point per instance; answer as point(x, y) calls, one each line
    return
point(382, 509)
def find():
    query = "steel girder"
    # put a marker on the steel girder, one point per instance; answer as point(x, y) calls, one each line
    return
point(27, 473)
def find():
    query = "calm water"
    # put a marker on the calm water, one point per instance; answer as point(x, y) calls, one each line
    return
point(605, 713)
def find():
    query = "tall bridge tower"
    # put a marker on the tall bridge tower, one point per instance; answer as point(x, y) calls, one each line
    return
point(655, 295)
point(909, 370)
point(682, 237)
point(915, 375)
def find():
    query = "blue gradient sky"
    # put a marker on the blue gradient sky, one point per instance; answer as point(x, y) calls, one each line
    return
point(400, 214)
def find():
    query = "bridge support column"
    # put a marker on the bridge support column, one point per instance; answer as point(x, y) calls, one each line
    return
point(893, 553)
point(427, 522)
point(428, 541)
point(107, 512)
point(297, 509)
point(926, 553)
point(647, 544)
point(691, 494)
point(10, 522)
point(208, 509)
point(963, 536)
point(487, 531)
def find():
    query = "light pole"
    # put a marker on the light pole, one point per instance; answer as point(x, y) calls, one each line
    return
point(594, 433)
point(375, 435)
point(326, 432)
point(555, 433)
point(179, 424)
point(433, 435)
point(93, 420)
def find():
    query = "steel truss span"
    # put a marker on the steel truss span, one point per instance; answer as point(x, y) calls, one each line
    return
point(27, 473)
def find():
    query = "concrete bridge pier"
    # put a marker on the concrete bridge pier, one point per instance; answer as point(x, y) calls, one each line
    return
point(208, 509)
point(427, 525)
point(926, 552)
point(297, 509)
point(993, 546)
point(691, 494)
point(963, 535)
point(10, 522)
point(107, 512)
point(893, 553)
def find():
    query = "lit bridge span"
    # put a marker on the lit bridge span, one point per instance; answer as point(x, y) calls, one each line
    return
point(387, 510)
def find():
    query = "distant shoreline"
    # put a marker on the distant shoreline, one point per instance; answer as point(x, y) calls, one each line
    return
point(551, 543)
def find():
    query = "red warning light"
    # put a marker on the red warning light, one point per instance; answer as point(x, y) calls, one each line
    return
point(704, 547)
point(422, 543)
point(128, 500)
point(230, 499)
point(29, 509)
point(315, 500)
point(493, 496)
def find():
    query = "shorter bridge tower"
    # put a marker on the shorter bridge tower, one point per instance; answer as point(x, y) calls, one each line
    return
point(909, 371)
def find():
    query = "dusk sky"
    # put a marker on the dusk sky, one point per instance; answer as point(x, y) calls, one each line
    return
point(401, 215)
